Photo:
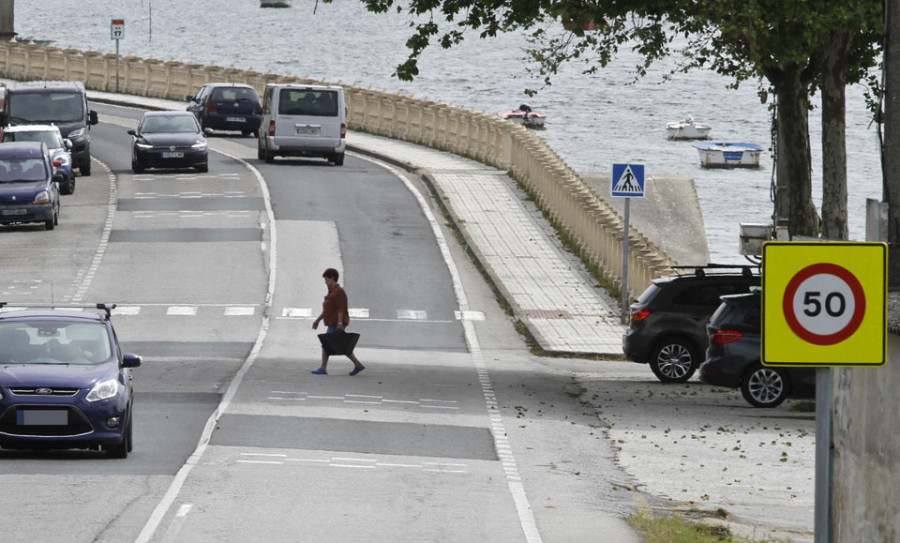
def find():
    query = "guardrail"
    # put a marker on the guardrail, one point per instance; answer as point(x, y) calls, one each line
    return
point(595, 227)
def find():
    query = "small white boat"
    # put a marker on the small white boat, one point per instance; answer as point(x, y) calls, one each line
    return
point(274, 3)
point(728, 155)
point(687, 129)
point(525, 116)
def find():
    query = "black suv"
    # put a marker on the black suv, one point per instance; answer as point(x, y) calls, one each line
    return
point(667, 323)
point(733, 356)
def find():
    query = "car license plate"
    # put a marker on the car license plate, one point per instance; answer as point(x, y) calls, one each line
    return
point(42, 417)
point(236, 119)
point(172, 154)
point(15, 211)
point(308, 130)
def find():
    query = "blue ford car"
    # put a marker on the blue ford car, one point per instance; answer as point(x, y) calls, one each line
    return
point(64, 383)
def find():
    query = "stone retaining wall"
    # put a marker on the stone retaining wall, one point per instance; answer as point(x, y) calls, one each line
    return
point(590, 222)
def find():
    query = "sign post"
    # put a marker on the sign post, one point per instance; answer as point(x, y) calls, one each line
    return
point(117, 32)
point(627, 182)
point(824, 305)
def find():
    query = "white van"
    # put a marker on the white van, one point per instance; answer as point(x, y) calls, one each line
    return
point(303, 120)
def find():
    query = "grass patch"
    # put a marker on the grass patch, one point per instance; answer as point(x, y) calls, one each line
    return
point(677, 529)
point(805, 406)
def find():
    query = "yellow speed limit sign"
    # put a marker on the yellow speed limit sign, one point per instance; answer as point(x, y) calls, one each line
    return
point(824, 304)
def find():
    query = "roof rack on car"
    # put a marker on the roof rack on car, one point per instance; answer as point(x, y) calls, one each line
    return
point(103, 307)
point(700, 271)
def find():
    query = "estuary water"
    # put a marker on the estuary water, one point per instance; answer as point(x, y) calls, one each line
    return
point(593, 121)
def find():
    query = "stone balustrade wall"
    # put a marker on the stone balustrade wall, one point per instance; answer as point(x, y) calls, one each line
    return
point(589, 221)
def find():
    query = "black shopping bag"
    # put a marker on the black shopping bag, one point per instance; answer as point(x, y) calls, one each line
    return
point(339, 342)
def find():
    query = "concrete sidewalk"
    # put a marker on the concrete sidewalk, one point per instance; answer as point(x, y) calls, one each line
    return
point(543, 285)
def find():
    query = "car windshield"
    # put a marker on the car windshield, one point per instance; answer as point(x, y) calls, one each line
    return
point(54, 342)
point(21, 169)
point(161, 124)
point(46, 107)
point(51, 139)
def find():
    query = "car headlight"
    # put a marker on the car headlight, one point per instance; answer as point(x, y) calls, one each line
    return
point(143, 145)
point(42, 197)
point(77, 133)
point(199, 146)
point(103, 391)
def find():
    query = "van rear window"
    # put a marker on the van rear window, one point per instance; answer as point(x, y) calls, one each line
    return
point(308, 102)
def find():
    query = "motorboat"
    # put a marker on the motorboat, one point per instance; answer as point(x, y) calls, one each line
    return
point(728, 155)
point(525, 116)
point(687, 129)
point(275, 3)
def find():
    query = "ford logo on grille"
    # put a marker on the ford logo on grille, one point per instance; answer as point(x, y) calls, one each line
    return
point(43, 391)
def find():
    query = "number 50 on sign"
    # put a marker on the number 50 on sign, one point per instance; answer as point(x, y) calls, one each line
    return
point(824, 304)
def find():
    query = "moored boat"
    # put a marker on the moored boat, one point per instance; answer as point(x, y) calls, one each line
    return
point(728, 155)
point(275, 3)
point(687, 129)
point(525, 116)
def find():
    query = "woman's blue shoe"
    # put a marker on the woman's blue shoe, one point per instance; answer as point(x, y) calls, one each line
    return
point(319, 371)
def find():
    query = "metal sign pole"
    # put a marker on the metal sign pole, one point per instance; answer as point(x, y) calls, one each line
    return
point(625, 243)
point(117, 66)
point(824, 456)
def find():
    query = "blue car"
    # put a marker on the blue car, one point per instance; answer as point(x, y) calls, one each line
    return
point(29, 187)
point(64, 382)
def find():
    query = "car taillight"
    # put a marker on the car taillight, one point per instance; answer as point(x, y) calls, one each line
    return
point(211, 107)
point(57, 162)
point(259, 108)
point(272, 127)
point(640, 315)
point(343, 130)
point(721, 337)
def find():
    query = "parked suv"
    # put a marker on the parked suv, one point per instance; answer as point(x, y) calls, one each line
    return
point(733, 356)
point(667, 323)
point(227, 106)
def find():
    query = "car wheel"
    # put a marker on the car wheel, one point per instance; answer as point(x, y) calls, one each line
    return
point(122, 449)
point(68, 187)
point(338, 159)
point(246, 133)
point(256, 133)
point(269, 156)
point(260, 153)
point(674, 361)
point(136, 167)
point(203, 169)
point(85, 168)
point(764, 387)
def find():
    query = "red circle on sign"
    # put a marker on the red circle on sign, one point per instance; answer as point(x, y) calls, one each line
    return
point(859, 304)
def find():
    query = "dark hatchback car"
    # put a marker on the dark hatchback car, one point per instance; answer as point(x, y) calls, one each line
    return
point(168, 140)
point(29, 188)
point(667, 323)
point(64, 382)
point(733, 356)
point(227, 106)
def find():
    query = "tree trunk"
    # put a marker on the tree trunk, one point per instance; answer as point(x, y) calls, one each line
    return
point(834, 144)
point(793, 200)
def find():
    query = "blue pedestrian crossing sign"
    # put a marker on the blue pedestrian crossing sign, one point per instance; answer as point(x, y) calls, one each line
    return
point(628, 180)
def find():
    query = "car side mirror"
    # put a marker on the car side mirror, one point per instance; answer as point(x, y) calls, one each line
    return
point(208, 131)
point(130, 360)
point(68, 144)
point(189, 98)
point(58, 178)
point(92, 117)
point(132, 132)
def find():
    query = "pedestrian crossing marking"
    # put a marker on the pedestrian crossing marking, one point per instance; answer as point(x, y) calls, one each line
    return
point(297, 312)
point(239, 311)
point(411, 314)
point(189, 311)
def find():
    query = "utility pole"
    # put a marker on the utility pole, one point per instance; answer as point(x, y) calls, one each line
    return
point(7, 20)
